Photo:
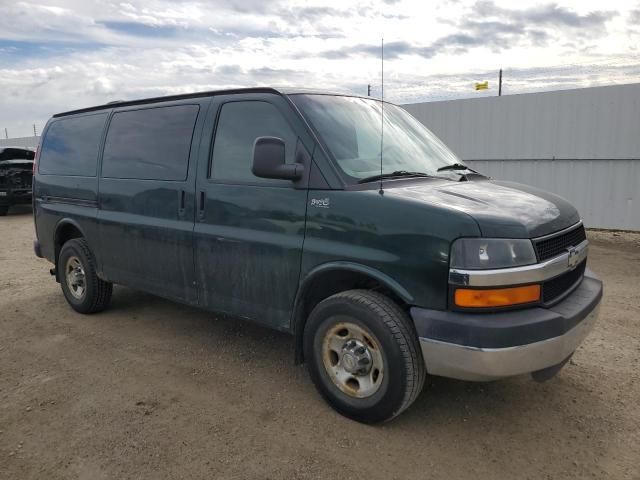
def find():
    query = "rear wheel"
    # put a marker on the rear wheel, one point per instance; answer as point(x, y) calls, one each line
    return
point(4, 209)
point(363, 355)
point(83, 289)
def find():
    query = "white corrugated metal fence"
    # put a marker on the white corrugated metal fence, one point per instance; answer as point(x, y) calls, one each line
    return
point(581, 144)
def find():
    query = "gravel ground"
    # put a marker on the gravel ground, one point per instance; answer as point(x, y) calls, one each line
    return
point(153, 389)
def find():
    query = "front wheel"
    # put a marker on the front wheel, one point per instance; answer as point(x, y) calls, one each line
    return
point(363, 355)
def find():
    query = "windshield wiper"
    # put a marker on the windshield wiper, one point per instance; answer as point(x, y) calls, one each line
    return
point(396, 174)
point(455, 166)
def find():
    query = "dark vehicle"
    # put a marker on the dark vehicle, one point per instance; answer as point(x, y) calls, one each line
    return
point(387, 258)
point(16, 173)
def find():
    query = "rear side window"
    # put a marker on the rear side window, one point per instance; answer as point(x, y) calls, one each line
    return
point(150, 144)
point(239, 125)
point(70, 146)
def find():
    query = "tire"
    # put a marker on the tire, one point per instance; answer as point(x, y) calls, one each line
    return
point(4, 209)
point(374, 329)
point(84, 291)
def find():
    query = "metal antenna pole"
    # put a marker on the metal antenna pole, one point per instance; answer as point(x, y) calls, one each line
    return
point(382, 111)
point(500, 84)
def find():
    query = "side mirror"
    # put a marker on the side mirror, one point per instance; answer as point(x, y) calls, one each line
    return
point(269, 160)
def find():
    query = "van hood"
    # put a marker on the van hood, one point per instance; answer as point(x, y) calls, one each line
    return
point(501, 209)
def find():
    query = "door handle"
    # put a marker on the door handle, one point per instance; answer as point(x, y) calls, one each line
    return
point(181, 206)
point(201, 202)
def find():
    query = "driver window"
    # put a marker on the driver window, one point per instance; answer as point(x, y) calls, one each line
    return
point(239, 124)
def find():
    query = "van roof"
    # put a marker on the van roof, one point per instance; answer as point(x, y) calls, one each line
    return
point(143, 101)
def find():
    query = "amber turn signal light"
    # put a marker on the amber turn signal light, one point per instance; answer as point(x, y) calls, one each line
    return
point(501, 297)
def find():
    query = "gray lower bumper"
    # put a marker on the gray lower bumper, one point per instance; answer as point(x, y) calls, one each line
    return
point(470, 346)
point(483, 364)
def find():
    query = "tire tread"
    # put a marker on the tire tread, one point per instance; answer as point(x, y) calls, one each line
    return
point(399, 325)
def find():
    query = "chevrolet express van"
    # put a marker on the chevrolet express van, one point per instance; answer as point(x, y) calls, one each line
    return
point(387, 258)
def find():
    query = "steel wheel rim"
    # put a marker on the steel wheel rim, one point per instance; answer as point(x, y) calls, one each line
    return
point(75, 277)
point(353, 360)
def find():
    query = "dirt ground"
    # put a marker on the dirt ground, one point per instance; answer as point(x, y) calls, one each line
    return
point(151, 389)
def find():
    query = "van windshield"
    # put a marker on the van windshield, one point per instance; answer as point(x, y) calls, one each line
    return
point(351, 128)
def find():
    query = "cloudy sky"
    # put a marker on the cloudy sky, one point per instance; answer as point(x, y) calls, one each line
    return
point(64, 54)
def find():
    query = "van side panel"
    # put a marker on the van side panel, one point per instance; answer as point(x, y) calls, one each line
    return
point(60, 199)
point(404, 241)
point(147, 201)
point(249, 232)
point(61, 195)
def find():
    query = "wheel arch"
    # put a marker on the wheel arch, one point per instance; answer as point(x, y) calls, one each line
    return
point(335, 277)
point(66, 229)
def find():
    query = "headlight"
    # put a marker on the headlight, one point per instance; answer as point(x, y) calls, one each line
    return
point(489, 253)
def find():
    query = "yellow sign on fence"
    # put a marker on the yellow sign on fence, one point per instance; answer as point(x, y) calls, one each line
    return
point(482, 86)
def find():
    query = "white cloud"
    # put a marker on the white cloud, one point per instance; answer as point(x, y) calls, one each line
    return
point(67, 54)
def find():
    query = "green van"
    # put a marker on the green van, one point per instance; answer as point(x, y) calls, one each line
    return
point(383, 254)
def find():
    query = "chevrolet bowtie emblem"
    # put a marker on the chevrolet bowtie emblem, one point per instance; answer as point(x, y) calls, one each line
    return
point(574, 257)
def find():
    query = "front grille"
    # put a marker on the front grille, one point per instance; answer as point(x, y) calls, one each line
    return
point(556, 287)
point(550, 247)
point(21, 180)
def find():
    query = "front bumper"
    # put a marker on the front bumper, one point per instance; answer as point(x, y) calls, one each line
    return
point(15, 196)
point(482, 347)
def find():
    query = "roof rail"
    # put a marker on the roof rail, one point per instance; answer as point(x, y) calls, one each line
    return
point(169, 98)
